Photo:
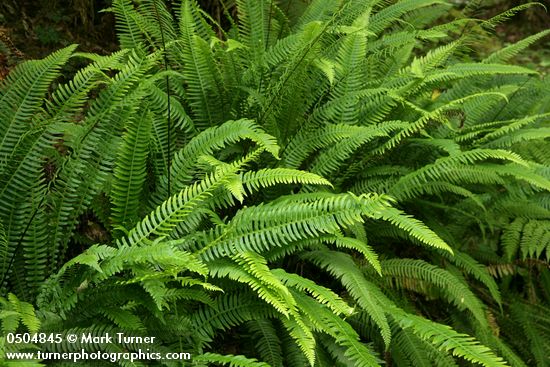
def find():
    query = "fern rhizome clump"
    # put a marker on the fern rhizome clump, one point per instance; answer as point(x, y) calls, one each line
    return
point(346, 186)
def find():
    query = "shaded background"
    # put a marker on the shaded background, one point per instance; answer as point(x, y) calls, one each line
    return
point(34, 28)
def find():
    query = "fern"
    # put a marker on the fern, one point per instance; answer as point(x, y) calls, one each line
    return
point(447, 339)
point(130, 173)
point(282, 189)
point(406, 273)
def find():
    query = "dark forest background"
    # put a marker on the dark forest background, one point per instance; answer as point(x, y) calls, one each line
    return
point(33, 28)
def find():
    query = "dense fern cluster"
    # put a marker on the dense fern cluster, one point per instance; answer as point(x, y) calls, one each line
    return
point(346, 189)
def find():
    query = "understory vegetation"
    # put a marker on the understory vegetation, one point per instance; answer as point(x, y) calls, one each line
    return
point(349, 186)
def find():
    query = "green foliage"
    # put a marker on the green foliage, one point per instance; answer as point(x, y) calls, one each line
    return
point(342, 189)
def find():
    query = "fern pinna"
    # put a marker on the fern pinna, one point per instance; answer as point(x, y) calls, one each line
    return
point(344, 187)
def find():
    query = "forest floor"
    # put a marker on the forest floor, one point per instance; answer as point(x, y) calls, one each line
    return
point(31, 29)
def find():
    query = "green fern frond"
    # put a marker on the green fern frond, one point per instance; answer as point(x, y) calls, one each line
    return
point(356, 352)
point(28, 85)
point(417, 352)
point(507, 128)
point(210, 140)
point(15, 312)
point(257, 26)
point(23, 142)
point(129, 31)
point(124, 319)
point(470, 266)
point(205, 94)
point(156, 22)
point(362, 247)
point(321, 294)
point(303, 336)
point(237, 309)
point(401, 271)
point(508, 52)
point(173, 212)
point(254, 180)
point(500, 18)
point(178, 113)
point(267, 342)
point(385, 17)
point(68, 99)
point(330, 159)
point(444, 170)
point(535, 322)
point(253, 270)
point(129, 172)
point(308, 141)
point(366, 294)
point(229, 360)
point(93, 153)
point(446, 339)
point(414, 228)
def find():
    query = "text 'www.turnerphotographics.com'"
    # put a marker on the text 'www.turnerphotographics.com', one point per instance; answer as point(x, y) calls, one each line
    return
point(87, 346)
